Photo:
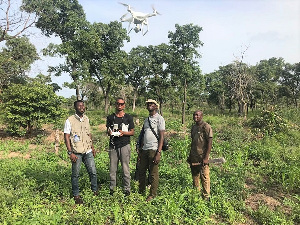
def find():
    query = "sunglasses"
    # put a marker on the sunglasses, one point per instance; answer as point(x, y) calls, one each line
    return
point(118, 103)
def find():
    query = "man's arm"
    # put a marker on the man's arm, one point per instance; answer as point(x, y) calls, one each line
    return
point(93, 149)
point(73, 157)
point(161, 140)
point(160, 144)
point(209, 146)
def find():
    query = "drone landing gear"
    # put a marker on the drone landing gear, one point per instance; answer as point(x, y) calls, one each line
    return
point(145, 33)
point(146, 30)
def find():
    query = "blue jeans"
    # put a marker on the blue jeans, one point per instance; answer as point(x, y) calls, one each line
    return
point(88, 160)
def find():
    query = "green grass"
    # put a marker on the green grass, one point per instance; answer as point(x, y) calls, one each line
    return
point(38, 190)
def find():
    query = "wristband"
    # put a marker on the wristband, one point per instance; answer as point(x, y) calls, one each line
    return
point(70, 152)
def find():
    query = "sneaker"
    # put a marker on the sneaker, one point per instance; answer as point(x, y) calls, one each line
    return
point(149, 198)
point(78, 200)
point(126, 193)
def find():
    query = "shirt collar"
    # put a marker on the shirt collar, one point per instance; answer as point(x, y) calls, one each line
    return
point(79, 118)
point(155, 115)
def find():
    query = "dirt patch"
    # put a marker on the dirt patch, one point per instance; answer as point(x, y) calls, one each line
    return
point(102, 127)
point(15, 155)
point(255, 200)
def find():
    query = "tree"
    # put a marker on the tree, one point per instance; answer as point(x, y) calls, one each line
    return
point(15, 59)
point(159, 76)
point(29, 106)
point(184, 43)
point(290, 80)
point(137, 71)
point(108, 64)
point(14, 22)
point(195, 90)
point(267, 73)
point(240, 80)
point(45, 79)
point(216, 89)
point(65, 19)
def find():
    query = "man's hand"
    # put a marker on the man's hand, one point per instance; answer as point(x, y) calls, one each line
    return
point(93, 151)
point(73, 158)
point(205, 161)
point(156, 157)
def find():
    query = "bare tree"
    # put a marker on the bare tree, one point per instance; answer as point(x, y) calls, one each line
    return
point(240, 80)
point(14, 22)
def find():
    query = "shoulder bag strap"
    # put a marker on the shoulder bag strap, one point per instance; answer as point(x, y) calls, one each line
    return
point(152, 129)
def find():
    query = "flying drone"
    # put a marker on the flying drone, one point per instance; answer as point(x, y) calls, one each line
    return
point(137, 20)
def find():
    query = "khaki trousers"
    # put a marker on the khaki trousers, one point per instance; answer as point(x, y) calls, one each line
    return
point(200, 172)
point(147, 162)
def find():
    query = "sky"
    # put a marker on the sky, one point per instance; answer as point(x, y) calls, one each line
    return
point(264, 28)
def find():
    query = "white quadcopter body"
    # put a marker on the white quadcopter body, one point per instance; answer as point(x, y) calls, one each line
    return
point(137, 20)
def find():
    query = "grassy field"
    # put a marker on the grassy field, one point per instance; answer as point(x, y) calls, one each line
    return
point(258, 184)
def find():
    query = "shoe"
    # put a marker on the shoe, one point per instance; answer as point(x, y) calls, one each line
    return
point(207, 199)
point(78, 200)
point(96, 193)
point(111, 192)
point(127, 193)
point(149, 198)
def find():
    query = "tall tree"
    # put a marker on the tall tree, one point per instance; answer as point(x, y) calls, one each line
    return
point(65, 19)
point(215, 86)
point(15, 59)
point(107, 62)
point(137, 72)
point(240, 80)
point(159, 76)
point(14, 21)
point(195, 91)
point(267, 74)
point(184, 43)
point(290, 79)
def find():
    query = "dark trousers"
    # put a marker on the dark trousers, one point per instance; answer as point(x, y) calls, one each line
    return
point(147, 162)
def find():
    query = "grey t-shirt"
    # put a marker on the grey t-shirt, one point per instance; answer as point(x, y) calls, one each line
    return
point(158, 124)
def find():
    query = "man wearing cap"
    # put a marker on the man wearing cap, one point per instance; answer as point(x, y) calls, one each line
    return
point(150, 150)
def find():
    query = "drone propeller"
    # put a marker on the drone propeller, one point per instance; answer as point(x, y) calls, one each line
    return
point(155, 11)
point(123, 4)
point(122, 17)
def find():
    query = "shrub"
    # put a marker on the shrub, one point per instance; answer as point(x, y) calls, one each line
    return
point(268, 122)
point(29, 106)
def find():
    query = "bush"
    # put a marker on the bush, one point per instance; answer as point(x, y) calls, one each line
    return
point(29, 106)
point(269, 122)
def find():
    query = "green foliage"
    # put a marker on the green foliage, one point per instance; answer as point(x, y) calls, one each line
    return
point(269, 122)
point(29, 106)
point(38, 190)
point(16, 58)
